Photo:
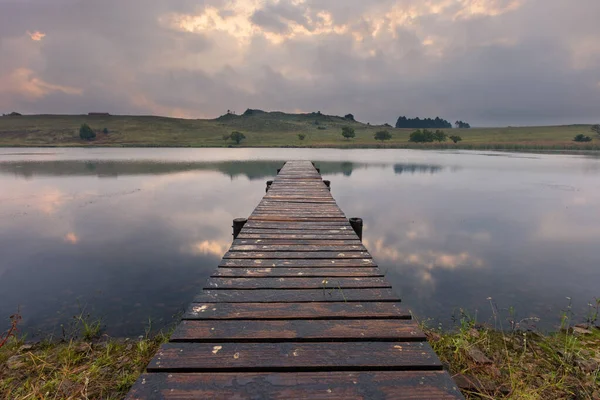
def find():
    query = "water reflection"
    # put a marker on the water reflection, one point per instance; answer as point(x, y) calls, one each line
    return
point(450, 230)
point(416, 168)
point(252, 170)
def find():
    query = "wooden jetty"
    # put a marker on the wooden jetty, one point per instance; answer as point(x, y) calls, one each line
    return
point(297, 309)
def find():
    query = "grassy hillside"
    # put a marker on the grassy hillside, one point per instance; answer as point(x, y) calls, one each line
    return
point(273, 129)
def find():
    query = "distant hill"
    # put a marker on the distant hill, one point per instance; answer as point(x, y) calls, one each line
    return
point(263, 129)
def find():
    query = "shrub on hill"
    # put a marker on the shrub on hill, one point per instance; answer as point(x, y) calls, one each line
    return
point(383, 135)
point(348, 132)
point(582, 138)
point(86, 133)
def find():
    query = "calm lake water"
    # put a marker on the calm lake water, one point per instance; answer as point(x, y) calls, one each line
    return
point(129, 235)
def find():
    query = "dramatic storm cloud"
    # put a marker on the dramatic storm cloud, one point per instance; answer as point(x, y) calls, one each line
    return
point(490, 62)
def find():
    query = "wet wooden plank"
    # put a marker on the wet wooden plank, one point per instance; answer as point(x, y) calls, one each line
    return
point(380, 385)
point(310, 232)
point(296, 296)
point(343, 225)
point(291, 311)
point(306, 255)
point(293, 219)
point(295, 283)
point(298, 236)
point(298, 242)
point(296, 272)
point(298, 331)
point(292, 247)
point(298, 263)
point(296, 357)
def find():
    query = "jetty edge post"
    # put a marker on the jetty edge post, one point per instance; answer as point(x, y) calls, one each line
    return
point(269, 183)
point(357, 225)
point(238, 224)
point(328, 184)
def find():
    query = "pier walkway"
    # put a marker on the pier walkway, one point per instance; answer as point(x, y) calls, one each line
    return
point(297, 309)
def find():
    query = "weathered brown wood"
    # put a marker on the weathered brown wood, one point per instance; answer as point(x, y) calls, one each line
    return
point(292, 247)
point(295, 296)
point(305, 255)
point(298, 242)
point(296, 309)
point(298, 263)
point(295, 283)
point(296, 272)
point(298, 331)
point(296, 357)
point(380, 385)
point(291, 311)
point(297, 236)
point(343, 225)
point(311, 232)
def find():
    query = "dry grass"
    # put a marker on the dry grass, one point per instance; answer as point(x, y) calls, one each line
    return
point(491, 363)
point(269, 130)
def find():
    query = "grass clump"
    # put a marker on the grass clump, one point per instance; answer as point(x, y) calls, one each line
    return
point(82, 366)
point(490, 362)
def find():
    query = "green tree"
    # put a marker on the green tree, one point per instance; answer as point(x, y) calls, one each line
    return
point(455, 138)
point(105, 131)
point(349, 117)
point(383, 135)
point(421, 136)
point(582, 138)
point(348, 132)
point(237, 137)
point(301, 136)
point(596, 129)
point(439, 136)
point(86, 133)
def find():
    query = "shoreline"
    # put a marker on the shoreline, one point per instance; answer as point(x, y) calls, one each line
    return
point(485, 362)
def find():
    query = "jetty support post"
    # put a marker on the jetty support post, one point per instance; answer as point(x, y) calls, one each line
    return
point(238, 224)
point(357, 225)
point(269, 183)
point(328, 184)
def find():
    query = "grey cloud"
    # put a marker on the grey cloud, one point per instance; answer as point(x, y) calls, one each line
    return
point(539, 64)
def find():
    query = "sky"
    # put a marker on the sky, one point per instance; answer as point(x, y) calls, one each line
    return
point(488, 62)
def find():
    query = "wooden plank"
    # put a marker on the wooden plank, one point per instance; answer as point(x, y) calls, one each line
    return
point(295, 296)
point(300, 232)
point(380, 385)
point(297, 272)
point(303, 224)
point(298, 331)
point(300, 248)
point(296, 357)
point(299, 255)
point(293, 219)
point(294, 236)
point(344, 242)
point(290, 311)
point(298, 263)
point(295, 283)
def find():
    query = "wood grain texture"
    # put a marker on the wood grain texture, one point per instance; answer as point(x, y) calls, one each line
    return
point(303, 255)
point(289, 311)
point(296, 296)
point(295, 283)
point(366, 385)
point(298, 331)
point(296, 357)
point(224, 272)
point(298, 263)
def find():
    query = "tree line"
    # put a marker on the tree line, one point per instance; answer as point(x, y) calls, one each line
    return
point(429, 123)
